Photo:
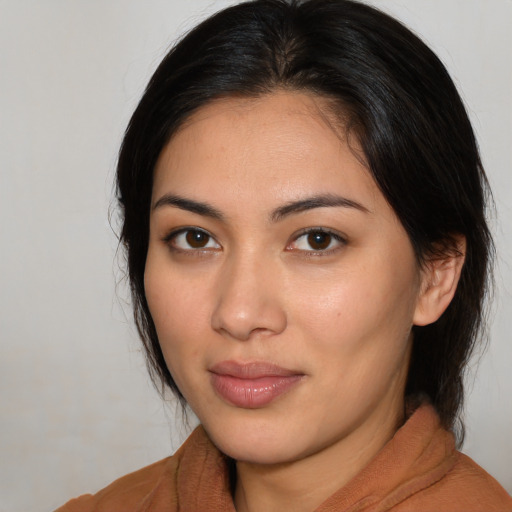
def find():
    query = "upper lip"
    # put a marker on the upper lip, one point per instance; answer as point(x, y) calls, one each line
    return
point(252, 370)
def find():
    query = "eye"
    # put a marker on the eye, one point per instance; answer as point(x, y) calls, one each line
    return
point(190, 239)
point(316, 240)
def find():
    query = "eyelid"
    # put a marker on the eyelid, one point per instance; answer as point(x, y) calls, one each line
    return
point(175, 232)
point(339, 237)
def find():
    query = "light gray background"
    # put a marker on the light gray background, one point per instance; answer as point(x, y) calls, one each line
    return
point(76, 406)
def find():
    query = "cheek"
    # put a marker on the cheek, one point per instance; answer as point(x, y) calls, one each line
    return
point(178, 315)
point(358, 336)
point(365, 309)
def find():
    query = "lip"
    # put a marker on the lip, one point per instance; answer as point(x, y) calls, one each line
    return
point(252, 385)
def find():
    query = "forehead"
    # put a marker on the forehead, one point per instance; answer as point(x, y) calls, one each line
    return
point(280, 146)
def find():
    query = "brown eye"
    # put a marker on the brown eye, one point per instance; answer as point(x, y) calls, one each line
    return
point(190, 240)
point(197, 239)
point(319, 240)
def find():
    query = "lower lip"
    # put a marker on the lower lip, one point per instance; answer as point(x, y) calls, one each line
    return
point(252, 393)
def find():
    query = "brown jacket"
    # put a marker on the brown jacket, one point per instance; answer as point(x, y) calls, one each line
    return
point(419, 470)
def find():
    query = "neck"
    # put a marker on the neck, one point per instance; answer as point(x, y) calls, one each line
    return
point(302, 485)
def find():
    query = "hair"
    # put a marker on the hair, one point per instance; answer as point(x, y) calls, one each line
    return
point(393, 94)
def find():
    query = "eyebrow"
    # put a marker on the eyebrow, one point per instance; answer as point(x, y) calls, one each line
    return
point(293, 207)
point(310, 203)
point(190, 205)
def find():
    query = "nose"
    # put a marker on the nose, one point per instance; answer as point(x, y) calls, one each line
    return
point(248, 300)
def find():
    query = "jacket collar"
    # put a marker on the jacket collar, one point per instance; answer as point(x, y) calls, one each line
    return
point(420, 453)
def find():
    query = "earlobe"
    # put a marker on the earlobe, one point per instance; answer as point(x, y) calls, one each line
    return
point(439, 279)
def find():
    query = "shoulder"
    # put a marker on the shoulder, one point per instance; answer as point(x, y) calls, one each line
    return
point(426, 473)
point(129, 493)
point(474, 487)
point(145, 489)
point(467, 487)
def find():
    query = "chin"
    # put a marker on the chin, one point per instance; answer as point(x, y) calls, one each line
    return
point(254, 444)
point(263, 453)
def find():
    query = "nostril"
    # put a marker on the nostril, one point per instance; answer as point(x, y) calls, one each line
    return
point(242, 321)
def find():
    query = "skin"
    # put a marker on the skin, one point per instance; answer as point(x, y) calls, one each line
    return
point(258, 290)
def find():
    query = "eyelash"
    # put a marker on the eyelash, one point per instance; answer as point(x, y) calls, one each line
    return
point(339, 238)
point(170, 238)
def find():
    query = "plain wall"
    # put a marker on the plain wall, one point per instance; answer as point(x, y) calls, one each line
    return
point(76, 406)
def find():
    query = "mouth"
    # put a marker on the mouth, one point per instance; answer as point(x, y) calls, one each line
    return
point(252, 385)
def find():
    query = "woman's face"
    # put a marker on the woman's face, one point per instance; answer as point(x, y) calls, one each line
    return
point(282, 285)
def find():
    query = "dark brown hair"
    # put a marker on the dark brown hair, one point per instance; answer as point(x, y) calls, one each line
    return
point(396, 97)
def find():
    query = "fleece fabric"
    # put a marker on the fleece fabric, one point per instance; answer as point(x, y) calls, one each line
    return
point(418, 470)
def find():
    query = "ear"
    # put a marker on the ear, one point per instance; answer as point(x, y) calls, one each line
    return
point(439, 279)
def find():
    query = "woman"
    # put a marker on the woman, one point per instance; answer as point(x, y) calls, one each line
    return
point(304, 221)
